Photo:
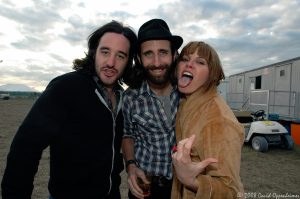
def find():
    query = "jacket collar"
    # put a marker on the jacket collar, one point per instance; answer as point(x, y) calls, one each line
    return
point(199, 97)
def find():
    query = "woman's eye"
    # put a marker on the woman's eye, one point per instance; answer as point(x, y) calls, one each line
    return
point(185, 59)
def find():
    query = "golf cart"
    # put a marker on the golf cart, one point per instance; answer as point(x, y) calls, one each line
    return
point(261, 133)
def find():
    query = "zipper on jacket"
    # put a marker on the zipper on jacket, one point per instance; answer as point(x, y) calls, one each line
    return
point(114, 133)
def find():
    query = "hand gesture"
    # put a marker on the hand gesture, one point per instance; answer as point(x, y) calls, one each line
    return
point(186, 170)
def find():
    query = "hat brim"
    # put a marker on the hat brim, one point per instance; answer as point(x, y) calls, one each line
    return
point(174, 39)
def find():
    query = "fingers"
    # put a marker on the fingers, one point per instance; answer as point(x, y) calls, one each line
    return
point(182, 158)
point(144, 179)
point(209, 161)
point(132, 183)
point(181, 144)
point(184, 149)
point(188, 144)
point(204, 163)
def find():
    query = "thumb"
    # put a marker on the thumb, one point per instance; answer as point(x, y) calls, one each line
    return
point(203, 164)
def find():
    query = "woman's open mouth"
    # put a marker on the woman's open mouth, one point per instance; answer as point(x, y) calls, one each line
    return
point(185, 79)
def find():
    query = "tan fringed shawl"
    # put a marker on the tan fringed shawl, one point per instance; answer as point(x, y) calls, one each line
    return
point(218, 135)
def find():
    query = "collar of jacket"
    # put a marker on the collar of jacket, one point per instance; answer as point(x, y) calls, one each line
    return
point(198, 98)
point(116, 88)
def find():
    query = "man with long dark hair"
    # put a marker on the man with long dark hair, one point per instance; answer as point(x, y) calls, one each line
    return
point(149, 108)
point(79, 116)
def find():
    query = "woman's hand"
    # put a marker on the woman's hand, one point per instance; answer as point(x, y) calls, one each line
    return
point(186, 170)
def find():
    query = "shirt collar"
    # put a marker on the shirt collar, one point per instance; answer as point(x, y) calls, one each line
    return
point(145, 89)
point(117, 88)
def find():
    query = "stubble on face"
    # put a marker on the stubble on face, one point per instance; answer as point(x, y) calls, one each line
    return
point(158, 79)
point(157, 59)
point(111, 58)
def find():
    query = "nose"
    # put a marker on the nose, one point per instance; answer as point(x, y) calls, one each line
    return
point(189, 64)
point(111, 61)
point(156, 61)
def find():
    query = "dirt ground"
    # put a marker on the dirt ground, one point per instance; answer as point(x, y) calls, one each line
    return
point(274, 174)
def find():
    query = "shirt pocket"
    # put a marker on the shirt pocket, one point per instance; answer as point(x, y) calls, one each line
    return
point(147, 127)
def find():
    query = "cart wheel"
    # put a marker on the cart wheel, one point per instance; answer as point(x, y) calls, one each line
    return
point(287, 141)
point(260, 144)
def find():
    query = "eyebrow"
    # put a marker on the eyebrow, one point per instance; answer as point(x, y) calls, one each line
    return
point(107, 48)
point(148, 51)
point(164, 50)
point(159, 50)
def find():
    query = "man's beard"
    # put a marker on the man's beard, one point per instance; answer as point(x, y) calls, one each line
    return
point(159, 80)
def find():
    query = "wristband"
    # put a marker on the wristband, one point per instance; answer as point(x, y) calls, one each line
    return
point(128, 162)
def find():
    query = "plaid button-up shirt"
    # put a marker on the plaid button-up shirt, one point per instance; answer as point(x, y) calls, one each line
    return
point(146, 122)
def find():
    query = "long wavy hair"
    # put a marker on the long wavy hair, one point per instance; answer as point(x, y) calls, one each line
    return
point(87, 64)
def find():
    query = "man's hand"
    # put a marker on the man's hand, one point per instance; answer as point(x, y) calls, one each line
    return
point(133, 173)
point(186, 170)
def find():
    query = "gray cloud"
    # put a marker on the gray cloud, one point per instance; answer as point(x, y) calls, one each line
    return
point(246, 34)
point(33, 43)
point(59, 58)
point(38, 18)
point(78, 31)
point(53, 4)
point(249, 33)
point(36, 74)
point(120, 15)
point(33, 22)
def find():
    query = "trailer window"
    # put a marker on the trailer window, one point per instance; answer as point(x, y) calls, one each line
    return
point(282, 73)
point(258, 82)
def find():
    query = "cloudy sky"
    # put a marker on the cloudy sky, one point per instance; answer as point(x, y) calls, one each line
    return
point(41, 38)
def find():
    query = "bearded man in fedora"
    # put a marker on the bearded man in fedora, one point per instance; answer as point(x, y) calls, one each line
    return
point(149, 108)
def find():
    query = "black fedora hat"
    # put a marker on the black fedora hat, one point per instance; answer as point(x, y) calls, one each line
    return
point(157, 29)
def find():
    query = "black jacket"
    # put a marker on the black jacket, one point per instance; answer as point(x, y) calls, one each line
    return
point(84, 140)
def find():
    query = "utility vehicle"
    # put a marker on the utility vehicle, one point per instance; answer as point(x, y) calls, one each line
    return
point(262, 133)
